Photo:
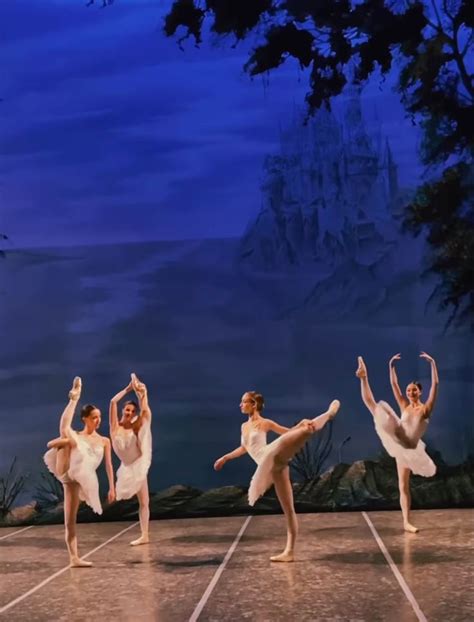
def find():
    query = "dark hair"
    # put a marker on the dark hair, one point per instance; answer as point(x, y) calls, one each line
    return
point(87, 410)
point(257, 399)
point(417, 384)
point(131, 403)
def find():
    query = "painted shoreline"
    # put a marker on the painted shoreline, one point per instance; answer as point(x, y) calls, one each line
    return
point(363, 485)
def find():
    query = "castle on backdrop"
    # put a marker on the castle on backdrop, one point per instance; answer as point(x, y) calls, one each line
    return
point(329, 194)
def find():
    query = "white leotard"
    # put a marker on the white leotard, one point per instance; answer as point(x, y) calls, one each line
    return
point(255, 442)
point(135, 454)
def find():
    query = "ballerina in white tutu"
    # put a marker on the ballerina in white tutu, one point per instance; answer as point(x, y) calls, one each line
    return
point(401, 436)
point(131, 440)
point(273, 458)
point(73, 458)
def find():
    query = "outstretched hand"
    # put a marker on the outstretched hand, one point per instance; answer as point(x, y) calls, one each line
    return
point(308, 424)
point(75, 392)
point(218, 464)
point(427, 357)
point(395, 357)
point(361, 371)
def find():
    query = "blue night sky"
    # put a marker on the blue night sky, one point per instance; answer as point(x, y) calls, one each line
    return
point(111, 133)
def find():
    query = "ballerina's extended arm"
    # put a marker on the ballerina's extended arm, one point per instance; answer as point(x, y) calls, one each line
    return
point(109, 470)
point(65, 430)
point(113, 416)
point(401, 399)
point(219, 463)
point(430, 402)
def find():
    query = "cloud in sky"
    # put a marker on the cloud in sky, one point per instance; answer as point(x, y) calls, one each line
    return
point(111, 132)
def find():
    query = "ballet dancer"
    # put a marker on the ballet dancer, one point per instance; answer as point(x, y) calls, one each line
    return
point(131, 440)
point(273, 458)
point(401, 437)
point(73, 458)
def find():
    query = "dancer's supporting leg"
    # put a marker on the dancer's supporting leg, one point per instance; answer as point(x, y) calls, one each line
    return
point(405, 496)
point(144, 515)
point(289, 445)
point(284, 491)
point(71, 506)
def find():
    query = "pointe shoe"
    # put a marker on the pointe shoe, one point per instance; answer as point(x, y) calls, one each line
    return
point(140, 540)
point(334, 408)
point(137, 385)
point(75, 392)
point(410, 528)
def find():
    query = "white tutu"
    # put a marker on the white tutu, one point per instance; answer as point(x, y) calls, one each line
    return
point(84, 460)
point(264, 456)
point(417, 460)
point(135, 454)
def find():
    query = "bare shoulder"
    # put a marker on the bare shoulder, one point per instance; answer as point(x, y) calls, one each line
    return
point(105, 441)
point(266, 424)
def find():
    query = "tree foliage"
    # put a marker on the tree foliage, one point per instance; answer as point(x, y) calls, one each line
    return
point(428, 43)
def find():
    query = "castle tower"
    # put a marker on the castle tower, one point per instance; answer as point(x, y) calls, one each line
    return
point(326, 195)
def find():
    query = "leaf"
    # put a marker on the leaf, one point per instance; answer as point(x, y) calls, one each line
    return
point(282, 42)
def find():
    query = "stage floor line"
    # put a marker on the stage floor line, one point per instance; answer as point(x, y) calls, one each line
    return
point(350, 566)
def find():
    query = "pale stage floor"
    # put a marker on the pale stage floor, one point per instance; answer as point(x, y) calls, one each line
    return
point(350, 566)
